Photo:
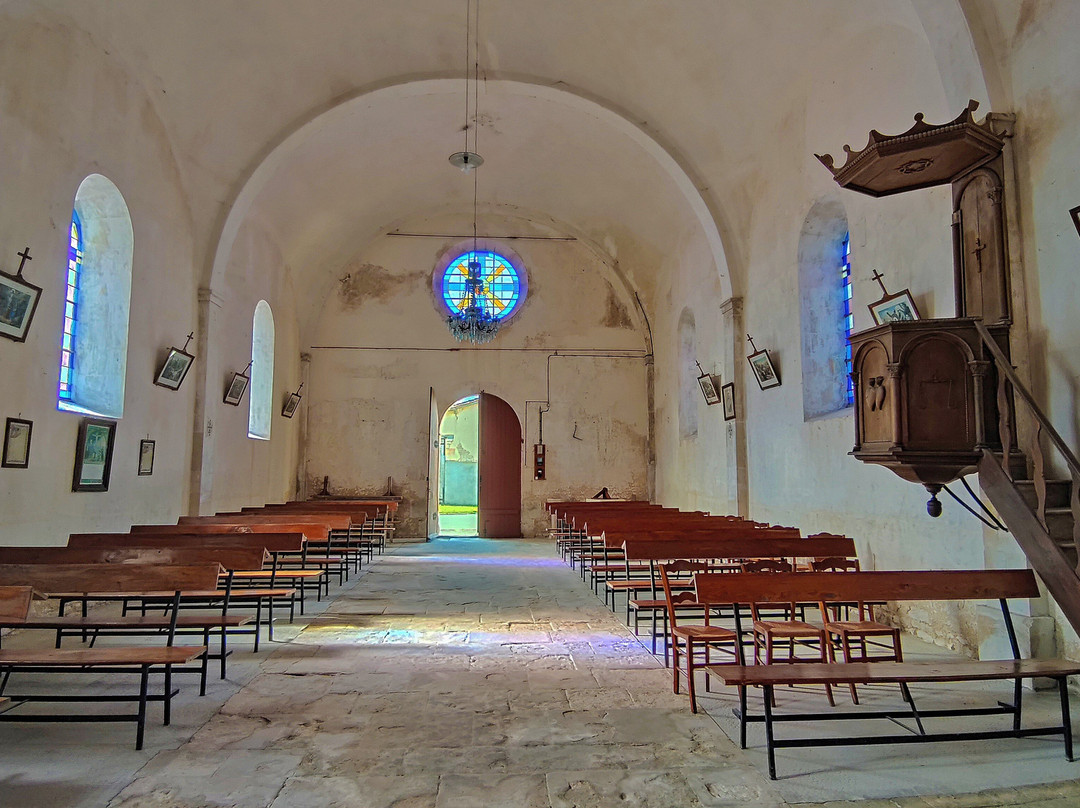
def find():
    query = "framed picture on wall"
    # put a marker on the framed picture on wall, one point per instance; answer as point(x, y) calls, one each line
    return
point(235, 391)
point(174, 369)
point(93, 455)
point(146, 457)
point(17, 443)
point(764, 371)
point(708, 388)
point(894, 308)
point(1075, 214)
point(727, 395)
point(291, 403)
point(18, 302)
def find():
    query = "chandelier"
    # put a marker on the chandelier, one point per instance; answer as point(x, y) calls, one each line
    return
point(472, 322)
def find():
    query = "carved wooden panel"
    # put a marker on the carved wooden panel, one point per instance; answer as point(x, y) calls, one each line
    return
point(875, 403)
point(979, 229)
point(936, 395)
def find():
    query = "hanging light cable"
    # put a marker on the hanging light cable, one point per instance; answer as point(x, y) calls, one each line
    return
point(468, 161)
point(472, 322)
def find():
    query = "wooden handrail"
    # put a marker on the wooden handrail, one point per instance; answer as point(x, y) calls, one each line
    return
point(1006, 367)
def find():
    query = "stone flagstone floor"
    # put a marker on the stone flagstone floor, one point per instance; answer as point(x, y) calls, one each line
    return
point(452, 674)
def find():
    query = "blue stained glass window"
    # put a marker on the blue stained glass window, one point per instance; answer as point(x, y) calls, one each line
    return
point(845, 291)
point(500, 293)
point(71, 305)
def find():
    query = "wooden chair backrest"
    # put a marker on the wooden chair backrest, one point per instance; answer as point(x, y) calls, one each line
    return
point(274, 542)
point(15, 602)
point(111, 577)
point(761, 545)
point(835, 565)
point(233, 557)
point(674, 570)
point(768, 565)
point(877, 585)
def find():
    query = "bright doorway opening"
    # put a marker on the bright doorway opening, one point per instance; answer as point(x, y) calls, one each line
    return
point(459, 466)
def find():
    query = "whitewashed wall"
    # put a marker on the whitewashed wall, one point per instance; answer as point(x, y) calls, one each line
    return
point(68, 109)
point(382, 343)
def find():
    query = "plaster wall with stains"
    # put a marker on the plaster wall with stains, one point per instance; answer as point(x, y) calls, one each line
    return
point(382, 346)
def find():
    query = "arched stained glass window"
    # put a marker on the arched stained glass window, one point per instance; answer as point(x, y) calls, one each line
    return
point(71, 300)
point(97, 302)
point(500, 293)
point(261, 400)
point(848, 318)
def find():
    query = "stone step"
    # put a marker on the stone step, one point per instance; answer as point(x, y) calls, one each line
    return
point(1057, 493)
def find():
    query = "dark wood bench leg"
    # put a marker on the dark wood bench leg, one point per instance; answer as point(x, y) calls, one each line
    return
point(258, 622)
point(206, 658)
point(1066, 719)
point(167, 710)
point(767, 691)
point(144, 681)
point(742, 717)
point(225, 647)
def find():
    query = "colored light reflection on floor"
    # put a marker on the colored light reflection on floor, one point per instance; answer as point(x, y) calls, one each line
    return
point(479, 561)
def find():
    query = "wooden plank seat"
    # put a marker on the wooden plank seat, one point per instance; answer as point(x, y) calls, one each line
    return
point(846, 587)
point(15, 604)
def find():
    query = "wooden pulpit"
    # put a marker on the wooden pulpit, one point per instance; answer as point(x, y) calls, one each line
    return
point(925, 398)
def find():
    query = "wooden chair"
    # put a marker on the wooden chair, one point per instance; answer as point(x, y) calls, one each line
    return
point(848, 633)
point(697, 640)
point(767, 632)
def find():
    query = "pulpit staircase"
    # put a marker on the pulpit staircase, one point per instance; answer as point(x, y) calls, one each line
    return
point(1042, 514)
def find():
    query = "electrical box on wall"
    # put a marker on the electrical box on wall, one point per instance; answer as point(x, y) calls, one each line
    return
point(539, 466)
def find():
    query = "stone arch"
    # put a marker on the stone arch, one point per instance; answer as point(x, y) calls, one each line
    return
point(267, 162)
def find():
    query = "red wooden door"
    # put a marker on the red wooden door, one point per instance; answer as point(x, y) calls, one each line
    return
point(500, 470)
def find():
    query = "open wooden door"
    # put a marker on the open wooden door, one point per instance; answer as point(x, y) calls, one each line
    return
point(433, 467)
point(500, 470)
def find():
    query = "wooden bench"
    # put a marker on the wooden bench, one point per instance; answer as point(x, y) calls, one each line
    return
point(277, 544)
point(15, 604)
point(838, 587)
point(766, 545)
point(316, 530)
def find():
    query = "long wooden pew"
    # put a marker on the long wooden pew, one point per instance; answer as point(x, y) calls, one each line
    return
point(316, 529)
point(309, 535)
point(839, 587)
point(275, 543)
point(109, 582)
point(15, 606)
point(373, 521)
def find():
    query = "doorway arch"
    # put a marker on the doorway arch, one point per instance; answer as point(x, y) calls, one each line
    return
point(477, 468)
point(458, 468)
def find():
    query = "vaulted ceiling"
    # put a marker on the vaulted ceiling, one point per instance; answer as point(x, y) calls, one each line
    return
point(327, 122)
